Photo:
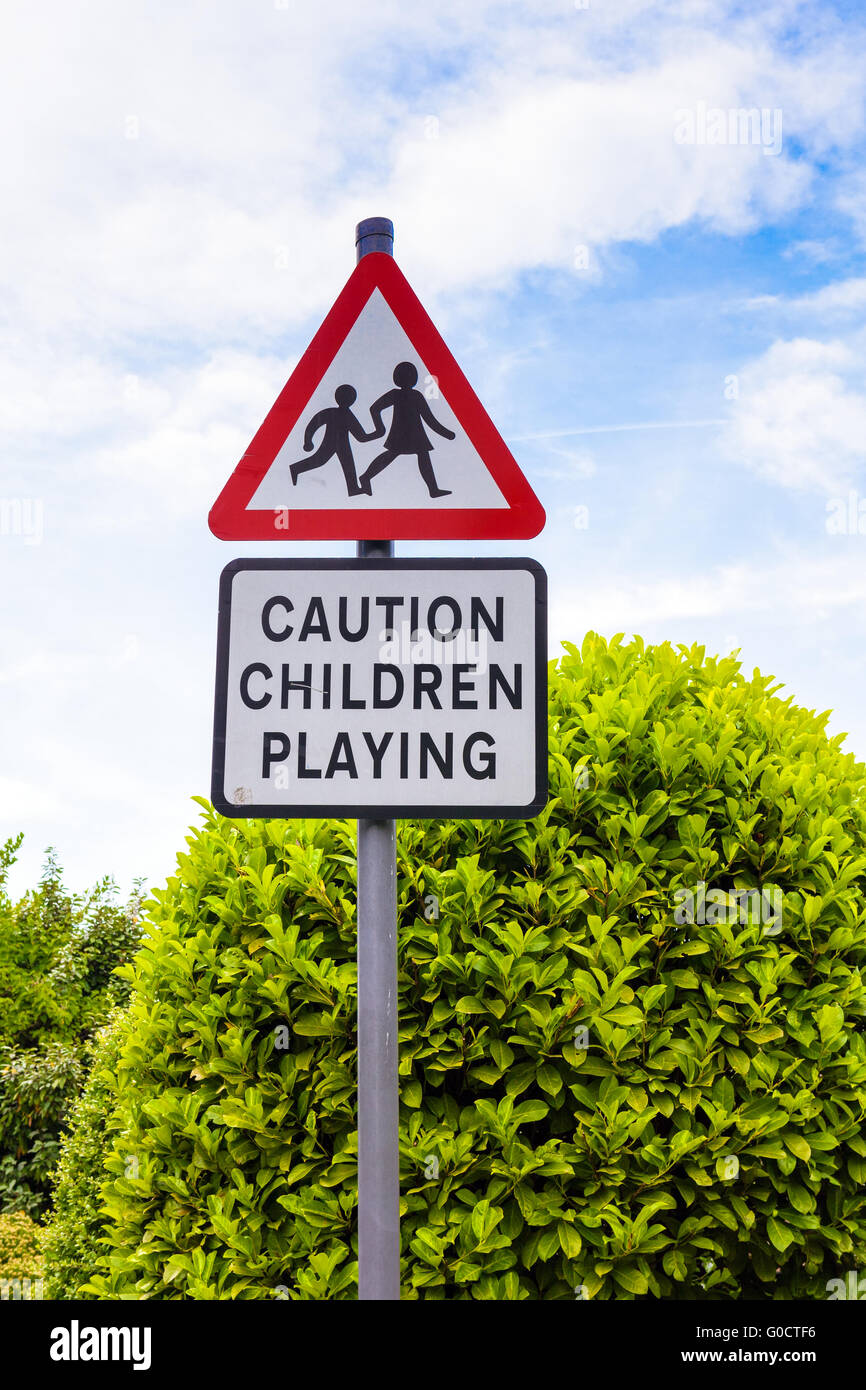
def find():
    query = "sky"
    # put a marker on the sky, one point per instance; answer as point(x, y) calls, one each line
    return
point(658, 298)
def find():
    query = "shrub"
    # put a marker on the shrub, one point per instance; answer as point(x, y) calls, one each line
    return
point(615, 1083)
point(31, 932)
point(37, 1087)
point(75, 1221)
point(21, 1260)
point(58, 958)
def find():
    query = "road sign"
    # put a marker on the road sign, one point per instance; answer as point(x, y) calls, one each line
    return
point(377, 433)
point(381, 688)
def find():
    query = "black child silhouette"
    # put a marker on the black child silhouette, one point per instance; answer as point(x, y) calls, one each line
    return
point(339, 423)
point(407, 434)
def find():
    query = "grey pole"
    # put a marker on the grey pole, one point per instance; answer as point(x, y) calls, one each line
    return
point(378, 1086)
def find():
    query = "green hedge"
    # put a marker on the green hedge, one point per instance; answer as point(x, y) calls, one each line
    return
point(615, 1083)
point(75, 1222)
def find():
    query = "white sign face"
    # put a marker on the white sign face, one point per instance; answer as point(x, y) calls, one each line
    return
point(343, 441)
point(381, 688)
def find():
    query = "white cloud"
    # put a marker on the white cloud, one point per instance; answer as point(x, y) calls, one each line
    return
point(835, 300)
point(33, 804)
point(136, 445)
point(800, 419)
point(186, 180)
point(219, 225)
point(264, 134)
point(813, 251)
point(797, 590)
point(851, 200)
point(567, 466)
point(193, 426)
point(530, 167)
point(260, 137)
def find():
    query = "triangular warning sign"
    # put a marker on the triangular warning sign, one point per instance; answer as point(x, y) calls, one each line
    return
point(377, 434)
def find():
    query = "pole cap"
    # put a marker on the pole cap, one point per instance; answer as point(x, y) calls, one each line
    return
point(374, 234)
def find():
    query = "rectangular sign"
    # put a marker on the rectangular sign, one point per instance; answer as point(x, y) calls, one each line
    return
point(381, 688)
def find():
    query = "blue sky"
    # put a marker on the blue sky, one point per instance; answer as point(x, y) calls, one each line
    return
point(668, 331)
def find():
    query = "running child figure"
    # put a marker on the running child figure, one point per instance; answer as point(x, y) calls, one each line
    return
point(339, 424)
point(410, 413)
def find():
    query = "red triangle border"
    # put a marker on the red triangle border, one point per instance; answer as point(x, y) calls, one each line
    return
point(524, 516)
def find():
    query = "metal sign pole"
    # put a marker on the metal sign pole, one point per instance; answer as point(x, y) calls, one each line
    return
point(378, 1086)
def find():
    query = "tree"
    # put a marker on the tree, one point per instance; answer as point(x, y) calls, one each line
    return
point(58, 954)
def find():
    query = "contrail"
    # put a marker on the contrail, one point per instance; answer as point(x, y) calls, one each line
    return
point(612, 429)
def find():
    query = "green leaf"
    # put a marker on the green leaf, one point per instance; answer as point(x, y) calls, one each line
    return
point(738, 1059)
point(529, 1111)
point(800, 1199)
point(470, 1004)
point(768, 1032)
point(626, 1015)
point(569, 1239)
point(798, 1146)
point(548, 1244)
point(488, 1075)
point(779, 1234)
point(549, 1080)
point(830, 1021)
point(411, 1094)
point(519, 1078)
point(685, 979)
point(630, 1279)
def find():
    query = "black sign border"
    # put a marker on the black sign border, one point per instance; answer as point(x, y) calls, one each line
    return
point(395, 810)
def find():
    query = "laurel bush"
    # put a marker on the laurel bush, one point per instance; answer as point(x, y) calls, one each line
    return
point(603, 1095)
point(76, 1219)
